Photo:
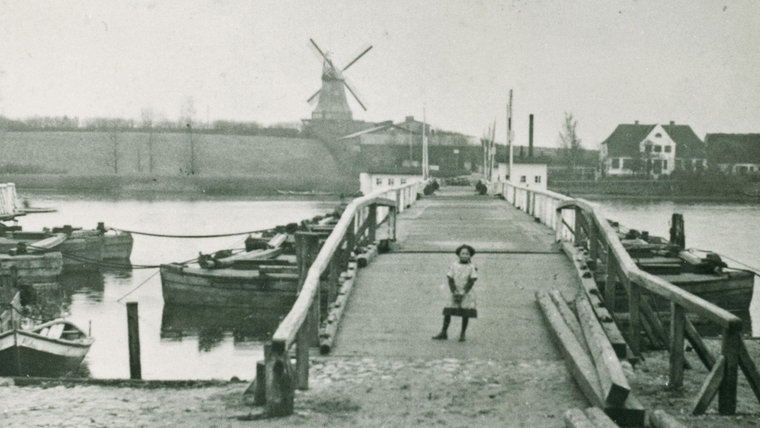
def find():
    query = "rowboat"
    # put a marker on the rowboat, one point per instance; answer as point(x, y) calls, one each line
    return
point(261, 276)
point(54, 348)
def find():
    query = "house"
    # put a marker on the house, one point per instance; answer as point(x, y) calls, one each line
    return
point(528, 172)
point(734, 153)
point(651, 150)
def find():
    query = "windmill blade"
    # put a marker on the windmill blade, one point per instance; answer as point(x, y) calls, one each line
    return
point(311, 98)
point(321, 53)
point(357, 58)
point(353, 92)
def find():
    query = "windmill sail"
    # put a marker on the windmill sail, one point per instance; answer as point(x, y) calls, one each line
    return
point(332, 102)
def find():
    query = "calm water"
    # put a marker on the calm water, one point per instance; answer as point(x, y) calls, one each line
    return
point(187, 343)
point(729, 229)
point(176, 342)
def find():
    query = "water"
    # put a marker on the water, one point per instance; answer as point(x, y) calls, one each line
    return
point(729, 229)
point(193, 344)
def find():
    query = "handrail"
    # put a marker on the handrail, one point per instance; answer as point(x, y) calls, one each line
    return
point(650, 282)
point(722, 378)
point(274, 381)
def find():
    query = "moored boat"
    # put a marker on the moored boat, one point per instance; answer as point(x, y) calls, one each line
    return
point(262, 276)
point(702, 273)
point(32, 268)
point(54, 348)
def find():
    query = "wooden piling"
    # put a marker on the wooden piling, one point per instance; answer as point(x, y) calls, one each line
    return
point(677, 358)
point(133, 333)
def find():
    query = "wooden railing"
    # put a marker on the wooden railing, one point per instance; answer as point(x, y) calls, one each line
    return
point(578, 221)
point(358, 224)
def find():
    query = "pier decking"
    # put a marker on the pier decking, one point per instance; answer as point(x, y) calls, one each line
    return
point(396, 304)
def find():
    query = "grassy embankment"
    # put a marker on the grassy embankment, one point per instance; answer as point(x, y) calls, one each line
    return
point(134, 162)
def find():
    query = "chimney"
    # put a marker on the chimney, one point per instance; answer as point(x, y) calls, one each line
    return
point(530, 136)
point(410, 118)
point(636, 122)
point(672, 122)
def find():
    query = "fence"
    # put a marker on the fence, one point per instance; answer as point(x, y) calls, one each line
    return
point(576, 220)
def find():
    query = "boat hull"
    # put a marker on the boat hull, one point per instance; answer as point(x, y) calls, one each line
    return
point(117, 246)
point(226, 287)
point(24, 353)
point(33, 268)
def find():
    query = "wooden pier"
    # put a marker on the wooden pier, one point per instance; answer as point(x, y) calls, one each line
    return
point(391, 308)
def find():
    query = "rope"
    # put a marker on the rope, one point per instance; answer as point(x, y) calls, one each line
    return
point(164, 235)
point(140, 285)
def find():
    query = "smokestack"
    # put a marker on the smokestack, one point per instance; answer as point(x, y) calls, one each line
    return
point(530, 136)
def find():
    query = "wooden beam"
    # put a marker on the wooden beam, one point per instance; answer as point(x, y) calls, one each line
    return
point(661, 419)
point(599, 418)
point(709, 387)
point(279, 384)
point(654, 321)
point(749, 369)
point(569, 317)
point(728, 388)
point(615, 388)
point(576, 359)
point(677, 320)
point(631, 414)
point(575, 418)
point(699, 346)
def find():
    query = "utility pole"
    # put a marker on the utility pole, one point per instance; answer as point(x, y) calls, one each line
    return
point(509, 135)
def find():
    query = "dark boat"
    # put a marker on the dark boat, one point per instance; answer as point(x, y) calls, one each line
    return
point(234, 278)
point(702, 273)
point(55, 348)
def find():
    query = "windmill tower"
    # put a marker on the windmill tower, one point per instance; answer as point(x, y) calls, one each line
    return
point(332, 102)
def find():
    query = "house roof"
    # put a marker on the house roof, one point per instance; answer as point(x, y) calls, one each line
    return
point(625, 140)
point(733, 148)
point(688, 145)
point(382, 126)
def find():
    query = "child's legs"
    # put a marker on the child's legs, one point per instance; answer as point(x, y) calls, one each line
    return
point(465, 321)
point(446, 322)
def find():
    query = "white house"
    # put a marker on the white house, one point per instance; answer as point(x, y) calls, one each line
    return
point(375, 180)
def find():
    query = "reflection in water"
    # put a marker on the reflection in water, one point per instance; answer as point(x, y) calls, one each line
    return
point(88, 282)
point(211, 324)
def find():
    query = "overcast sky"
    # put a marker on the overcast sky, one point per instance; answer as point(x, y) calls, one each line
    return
point(607, 62)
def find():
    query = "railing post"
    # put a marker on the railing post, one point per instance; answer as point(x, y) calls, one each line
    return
point(558, 226)
point(302, 354)
point(593, 237)
point(307, 248)
point(730, 350)
point(677, 321)
point(372, 223)
point(634, 328)
point(610, 283)
point(279, 382)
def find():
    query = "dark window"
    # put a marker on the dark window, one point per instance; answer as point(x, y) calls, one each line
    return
point(668, 149)
point(657, 149)
point(615, 163)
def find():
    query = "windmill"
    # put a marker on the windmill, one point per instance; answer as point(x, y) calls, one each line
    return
point(332, 102)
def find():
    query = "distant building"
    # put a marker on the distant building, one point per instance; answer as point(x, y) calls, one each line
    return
point(734, 153)
point(374, 180)
point(651, 150)
point(528, 172)
point(389, 146)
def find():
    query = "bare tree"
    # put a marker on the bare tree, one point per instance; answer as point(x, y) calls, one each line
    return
point(147, 117)
point(186, 117)
point(570, 142)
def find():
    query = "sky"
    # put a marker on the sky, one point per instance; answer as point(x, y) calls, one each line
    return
point(605, 62)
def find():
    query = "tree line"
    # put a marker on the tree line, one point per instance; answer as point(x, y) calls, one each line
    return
point(100, 124)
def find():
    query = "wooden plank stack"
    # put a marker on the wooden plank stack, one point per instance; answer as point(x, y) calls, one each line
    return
point(591, 358)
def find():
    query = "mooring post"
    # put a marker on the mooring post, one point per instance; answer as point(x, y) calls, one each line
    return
point(677, 232)
point(279, 382)
point(634, 327)
point(610, 281)
point(133, 330)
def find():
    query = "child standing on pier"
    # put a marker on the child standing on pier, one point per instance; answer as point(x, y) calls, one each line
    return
point(461, 278)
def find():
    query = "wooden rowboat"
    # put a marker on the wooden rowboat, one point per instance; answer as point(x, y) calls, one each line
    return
point(55, 348)
point(260, 277)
